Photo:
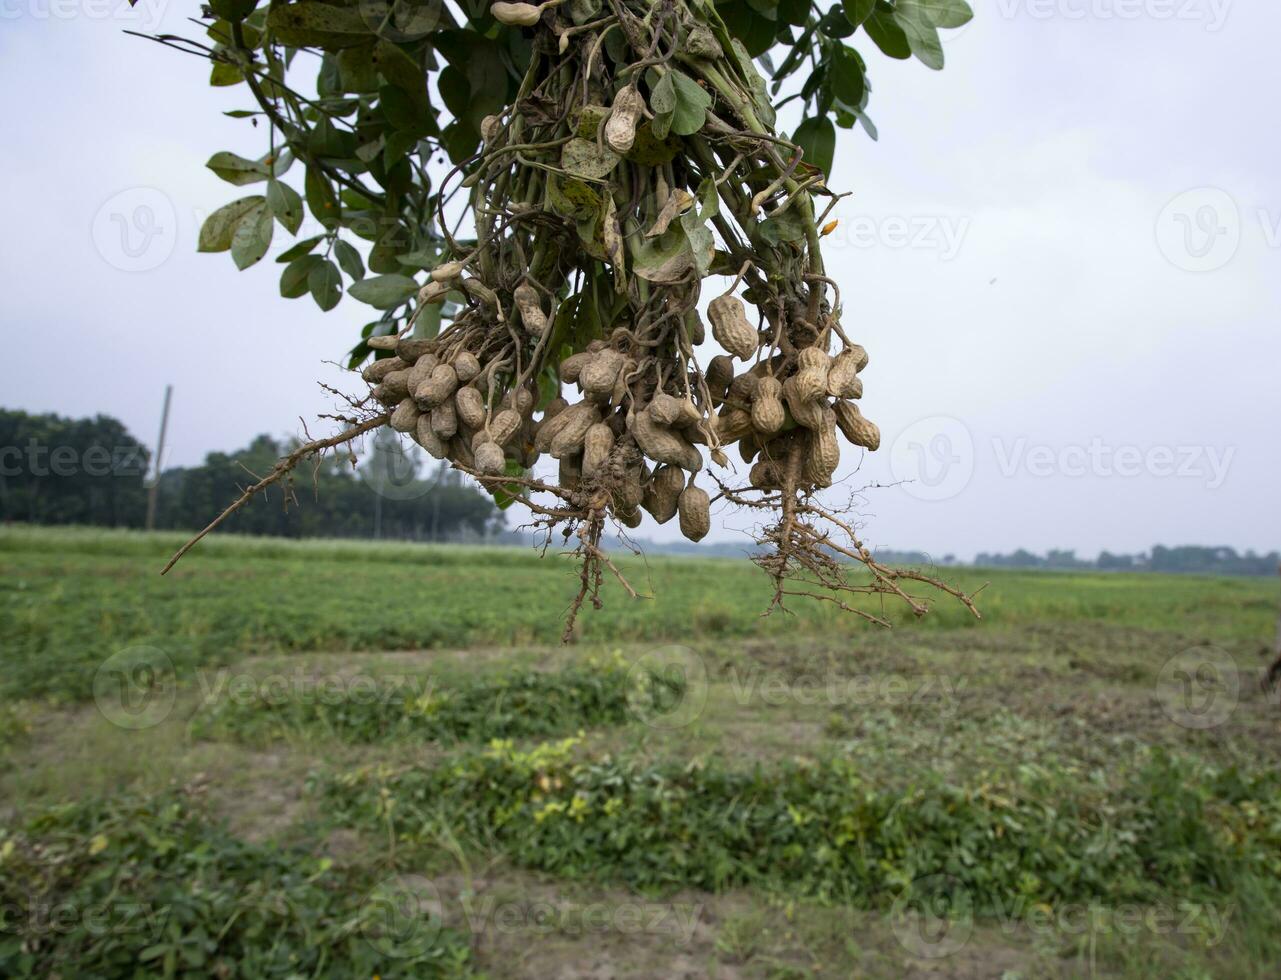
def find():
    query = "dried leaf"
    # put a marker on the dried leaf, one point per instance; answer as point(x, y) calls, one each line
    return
point(677, 203)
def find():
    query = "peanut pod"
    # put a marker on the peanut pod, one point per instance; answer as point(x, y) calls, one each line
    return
point(694, 507)
point(731, 328)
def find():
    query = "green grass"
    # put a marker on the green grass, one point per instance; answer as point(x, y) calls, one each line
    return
point(69, 599)
point(830, 776)
point(133, 888)
point(1152, 826)
point(423, 708)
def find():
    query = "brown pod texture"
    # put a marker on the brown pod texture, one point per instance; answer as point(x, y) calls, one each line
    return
point(504, 426)
point(730, 326)
point(694, 508)
point(405, 417)
point(620, 130)
point(375, 372)
point(489, 458)
point(576, 420)
point(768, 414)
point(466, 367)
point(426, 437)
point(663, 493)
point(444, 419)
point(470, 405)
point(719, 374)
point(597, 444)
point(856, 428)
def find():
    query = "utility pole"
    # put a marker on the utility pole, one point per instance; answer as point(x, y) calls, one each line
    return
point(1273, 679)
point(154, 488)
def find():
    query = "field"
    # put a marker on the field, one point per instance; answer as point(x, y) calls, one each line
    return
point(357, 759)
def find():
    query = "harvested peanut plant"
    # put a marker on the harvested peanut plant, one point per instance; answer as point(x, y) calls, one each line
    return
point(634, 187)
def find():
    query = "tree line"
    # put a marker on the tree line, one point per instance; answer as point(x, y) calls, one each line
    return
point(56, 470)
point(1185, 559)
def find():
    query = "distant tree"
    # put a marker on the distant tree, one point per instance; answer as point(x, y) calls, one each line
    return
point(386, 497)
point(56, 470)
point(1109, 562)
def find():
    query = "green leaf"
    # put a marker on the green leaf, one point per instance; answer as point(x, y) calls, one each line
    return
point(858, 11)
point(425, 258)
point(702, 246)
point(310, 23)
point(293, 281)
point(325, 282)
point(570, 197)
point(692, 104)
point(587, 158)
point(662, 97)
point(218, 228)
point(300, 249)
point(321, 198)
point(651, 151)
point(761, 100)
point(506, 494)
point(460, 140)
point(349, 259)
point(455, 91)
point(886, 33)
point(356, 71)
point(403, 113)
point(233, 10)
point(793, 12)
point(661, 125)
point(383, 292)
point(835, 24)
point(945, 13)
point(329, 79)
point(845, 75)
point(757, 33)
point(427, 326)
point(914, 17)
point(401, 70)
point(235, 169)
point(223, 75)
point(391, 244)
point(252, 237)
point(285, 204)
point(817, 137)
point(327, 140)
point(786, 227)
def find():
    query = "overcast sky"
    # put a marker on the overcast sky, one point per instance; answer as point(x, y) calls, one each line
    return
point(1063, 256)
